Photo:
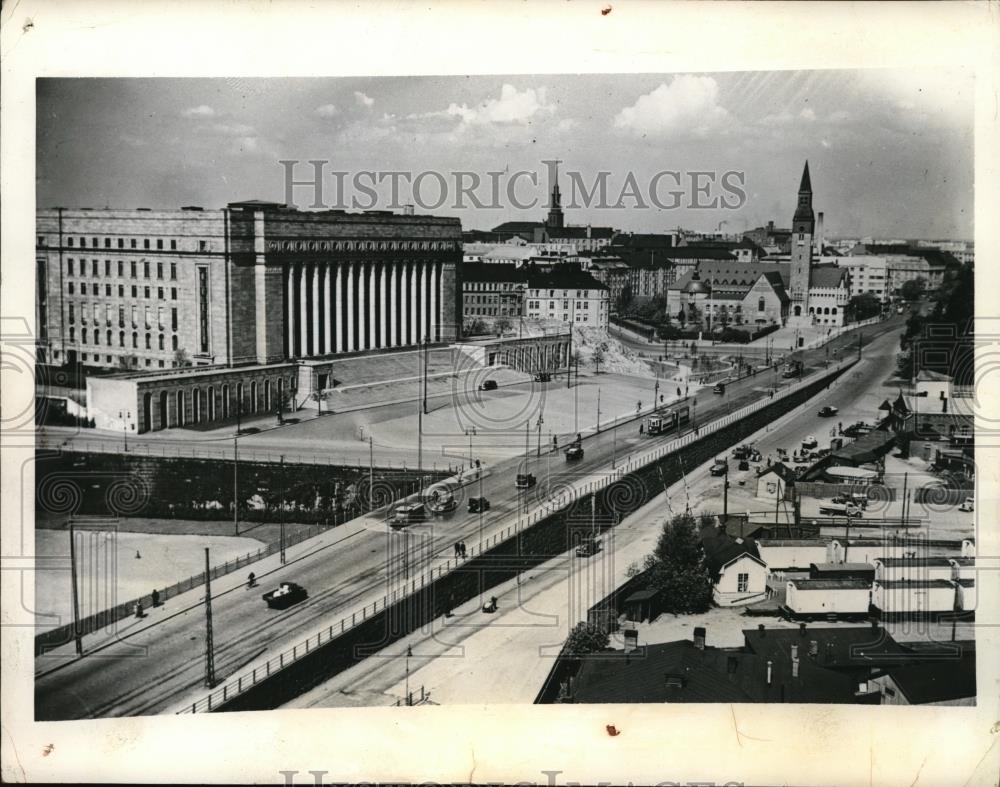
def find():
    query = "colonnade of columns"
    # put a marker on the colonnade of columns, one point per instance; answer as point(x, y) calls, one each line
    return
point(354, 306)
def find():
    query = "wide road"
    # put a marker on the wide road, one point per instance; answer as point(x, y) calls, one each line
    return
point(146, 670)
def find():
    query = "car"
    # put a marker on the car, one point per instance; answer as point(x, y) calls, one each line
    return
point(590, 545)
point(574, 453)
point(719, 467)
point(442, 503)
point(839, 509)
point(478, 504)
point(967, 505)
point(525, 481)
point(542, 377)
point(719, 388)
point(827, 411)
point(286, 594)
point(407, 514)
point(900, 310)
point(488, 385)
point(810, 442)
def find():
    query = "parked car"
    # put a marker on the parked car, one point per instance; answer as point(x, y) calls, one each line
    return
point(477, 504)
point(286, 594)
point(839, 509)
point(525, 481)
point(542, 377)
point(574, 453)
point(590, 545)
point(488, 385)
point(967, 505)
point(809, 443)
point(827, 411)
point(719, 388)
point(442, 503)
point(407, 514)
point(719, 467)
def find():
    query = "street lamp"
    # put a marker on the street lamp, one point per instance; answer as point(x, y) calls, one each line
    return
point(470, 432)
point(541, 420)
point(125, 416)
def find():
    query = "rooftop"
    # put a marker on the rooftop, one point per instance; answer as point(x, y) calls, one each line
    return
point(830, 584)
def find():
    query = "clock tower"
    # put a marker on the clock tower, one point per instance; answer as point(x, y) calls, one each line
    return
point(803, 224)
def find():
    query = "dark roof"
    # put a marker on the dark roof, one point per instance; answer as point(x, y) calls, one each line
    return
point(517, 226)
point(866, 448)
point(780, 469)
point(564, 276)
point(846, 583)
point(721, 549)
point(827, 276)
point(491, 271)
point(643, 240)
point(806, 183)
point(926, 375)
point(839, 648)
point(722, 274)
point(915, 561)
point(893, 584)
point(937, 679)
point(581, 233)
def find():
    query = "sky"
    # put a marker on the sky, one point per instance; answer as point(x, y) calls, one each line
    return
point(890, 152)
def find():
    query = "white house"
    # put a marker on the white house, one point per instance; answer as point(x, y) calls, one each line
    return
point(772, 480)
point(783, 554)
point(738, 573)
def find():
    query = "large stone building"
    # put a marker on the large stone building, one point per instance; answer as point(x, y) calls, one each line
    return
point(569, 294)
point(252, 283)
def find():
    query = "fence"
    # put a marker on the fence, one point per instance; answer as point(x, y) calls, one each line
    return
point(233, 688)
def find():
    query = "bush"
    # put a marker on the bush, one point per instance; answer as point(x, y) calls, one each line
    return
point(585, 638)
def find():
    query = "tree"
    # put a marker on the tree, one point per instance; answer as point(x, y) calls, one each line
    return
point(863, 306)
point(475, 328)
point(598, 356)
point(625, 299)
point(682, 317)
point(181, 358)
point(502, 325)
point(585, 638)
point(676, 568)
point(913, 289)
point(128, 361)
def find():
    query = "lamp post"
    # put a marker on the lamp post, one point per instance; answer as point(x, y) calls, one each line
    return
point(125, 416)
point(236, 472)
point(541, 420)
point(470, 432)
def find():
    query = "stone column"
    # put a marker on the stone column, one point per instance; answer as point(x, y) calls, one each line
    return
point(327, 311)
point(404, 304)
point(425, 317)
point(394, 304)
point(290, 301)
point(373, 307)
point(435, 318)
point(303, 310)
point(350, 307)
point(338, 298)
point(383, 305)
point(315, 311)
point(414, 304)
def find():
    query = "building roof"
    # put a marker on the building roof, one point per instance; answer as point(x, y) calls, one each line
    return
point(805, 184)
point(937, 679)
point(841, 647)
point(491, 272)
point(580, 233)
point(778, 285)
point(780, 469)
point(643, 240)
point(827, 276)
point(565, 276)
point(893, 584)
point(841, 567)
point(793, 542)
point(700, 253)
point(866, 448)
point(845, 583)
point(721, 550)
point(926, 375)
point(518, 226)
point(915, 561)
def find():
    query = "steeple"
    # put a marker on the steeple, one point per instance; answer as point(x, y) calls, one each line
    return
point(805, 185)
point(804, 221)
point(555, 218)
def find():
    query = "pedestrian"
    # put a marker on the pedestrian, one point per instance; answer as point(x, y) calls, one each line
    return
point(640, 428)
point(458, 548)
point(465, 552)
point(138, 610)
point(155, 595)
point(678, 392)
point(251, 580)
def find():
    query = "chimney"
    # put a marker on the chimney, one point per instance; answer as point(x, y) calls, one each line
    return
point(795, 668)
point(408, 210)
point(760, 628)
point(699, 637)
point(795, 652)
point(802, 629)
point(732, 662)
point(819, 232)
point(813, 649)
point(829, 652)
point(769, 663)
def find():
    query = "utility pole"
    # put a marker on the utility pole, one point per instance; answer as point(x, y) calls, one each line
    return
point(725, 495)
point(281, 509)
point(541, 420)
point(125, 415)
point(420, 447)
point(371, 472)
point(903, 512)
point(236, 498)
point(409, 652)
point(209, 646)
point(77, 634)
point(426, 347)
point(598, 430)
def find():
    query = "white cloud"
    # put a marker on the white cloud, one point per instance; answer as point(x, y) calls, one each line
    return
point(362, 99)
point(327, 111)
point(200, 111)
point(512, 108)
point(688, 105)
point(230, 129)
point(807, 114)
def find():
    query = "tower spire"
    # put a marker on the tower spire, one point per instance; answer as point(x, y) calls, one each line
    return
point(805, 185)
point(555, 218)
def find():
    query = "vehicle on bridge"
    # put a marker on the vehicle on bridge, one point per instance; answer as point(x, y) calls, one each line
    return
point(488, 385)
point(525, 481)
point(286, 594)
point(442, 502)
point(719, 388)
point(667, 420)
point(792, 369)
point(407, 514)
point(542, 377)
point(719, 467)
point(574, 453)
point(477, 504)
point(827, 411)
point(590, 545)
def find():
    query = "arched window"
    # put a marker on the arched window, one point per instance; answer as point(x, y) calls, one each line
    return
point(110, 337)
point(253, 397)
point(83, 335)
point(760, 305)
point(121, 338)
point(149, 342)
point(161, 341)
point(833, 310)
point(173, 342)
point(135, 339)
point(180, 408)
point(811, 310)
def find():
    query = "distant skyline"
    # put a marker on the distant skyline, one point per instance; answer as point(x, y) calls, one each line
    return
point(890, 151)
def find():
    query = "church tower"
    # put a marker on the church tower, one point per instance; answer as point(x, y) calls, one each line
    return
point(803, 224)
point(554, 221)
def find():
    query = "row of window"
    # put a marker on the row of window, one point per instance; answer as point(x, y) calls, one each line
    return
point(582, 305)
point(565, 317)
point(95, 338)
point(110, 359)
point(561, 294)
point(482, 286)
point(133, 243)
point(108, 314)
point(95, 289)
point(367, 245)
point(95, 269)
